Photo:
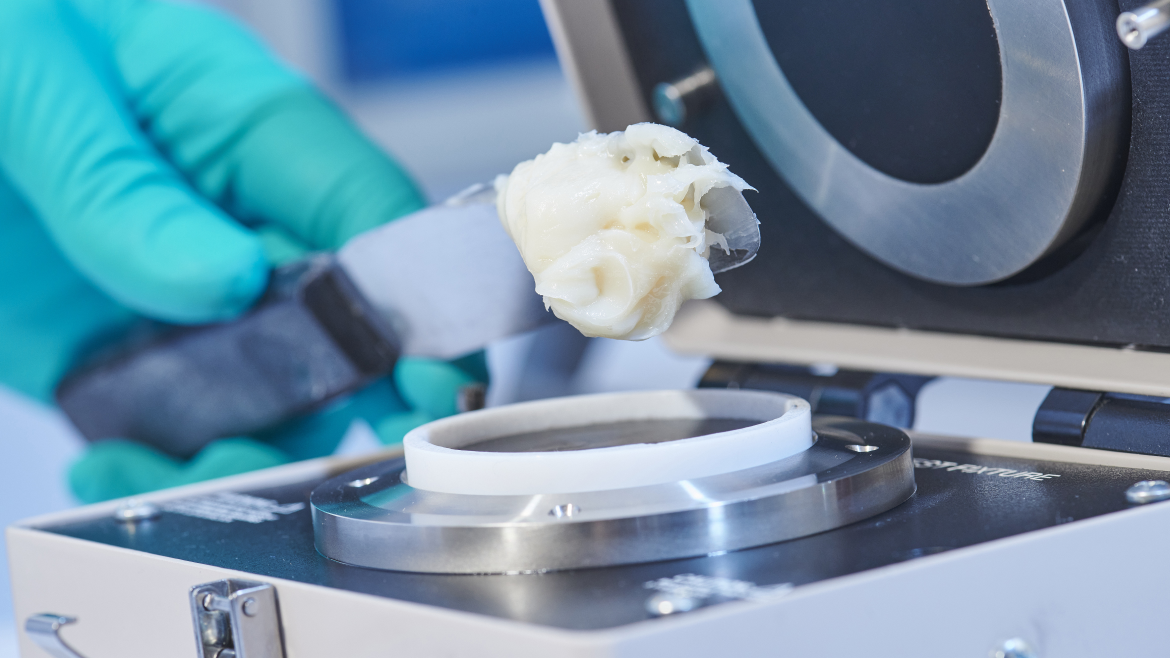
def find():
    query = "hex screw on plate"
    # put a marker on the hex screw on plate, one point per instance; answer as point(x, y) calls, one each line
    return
point(134, 510)
point(857, 447)
point(566, 511)
point(662, 604)
point(1014, 648)
point(1148, 491)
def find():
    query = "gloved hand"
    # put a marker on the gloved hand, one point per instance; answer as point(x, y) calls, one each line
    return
point(155, 160)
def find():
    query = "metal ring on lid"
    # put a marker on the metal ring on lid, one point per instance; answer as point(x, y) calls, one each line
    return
point(441, 456)
point(1061, 126)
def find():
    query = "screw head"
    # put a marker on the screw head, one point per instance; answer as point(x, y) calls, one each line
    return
point(566, 511)
point(134, 510)
point(1014, 648)
point(663, 604)
point(1130, 32)
point(669, 106)
point(890, 404)
point(250, 607)
point(1148, 491)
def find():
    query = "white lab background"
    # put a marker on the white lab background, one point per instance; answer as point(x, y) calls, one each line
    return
point(451, 130)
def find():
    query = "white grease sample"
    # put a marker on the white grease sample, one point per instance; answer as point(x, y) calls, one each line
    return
point(613, 227)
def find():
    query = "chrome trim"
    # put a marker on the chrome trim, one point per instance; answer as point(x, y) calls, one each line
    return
point(1039, 181)
point(42, 629)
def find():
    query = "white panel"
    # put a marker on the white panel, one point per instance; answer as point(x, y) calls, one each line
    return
point(1069, 591)
point(133, 605)
point(622, 365)
point(978, 407)
point(707, 328)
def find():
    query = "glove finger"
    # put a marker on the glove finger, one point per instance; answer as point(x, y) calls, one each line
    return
point(116, 469)
point(306, 167)
point(279, 247)
point(47, 310)
point(319, 434)
point(393, 429)
point(249, 133)
point(432, 386)
point(420, 391)
point(122, 215)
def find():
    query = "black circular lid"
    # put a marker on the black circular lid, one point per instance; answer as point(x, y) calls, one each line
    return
point(913, 88)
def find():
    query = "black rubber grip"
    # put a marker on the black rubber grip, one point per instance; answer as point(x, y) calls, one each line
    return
point(312, 338)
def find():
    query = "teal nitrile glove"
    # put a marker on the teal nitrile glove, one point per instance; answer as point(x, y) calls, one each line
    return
point(150, 155)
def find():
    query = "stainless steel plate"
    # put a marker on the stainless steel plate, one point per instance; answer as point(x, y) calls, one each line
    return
point(1061, 126)
point(372, 517)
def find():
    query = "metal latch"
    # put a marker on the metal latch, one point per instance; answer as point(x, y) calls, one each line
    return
point(43, 628)
point(236, 619)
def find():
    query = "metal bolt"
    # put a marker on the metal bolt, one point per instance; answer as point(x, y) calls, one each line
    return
point(134, 510)
point(890, 404)
point(251, 607)
point(1136, 27)
point(1014, 648)
point(1148, 491)
point(213, 602)
point(823, 369)
point(673, 101)
point(663, 604)
point(568, 510)
point(471, 397)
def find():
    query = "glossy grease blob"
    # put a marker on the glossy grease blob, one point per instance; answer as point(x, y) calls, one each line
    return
point(613, 227)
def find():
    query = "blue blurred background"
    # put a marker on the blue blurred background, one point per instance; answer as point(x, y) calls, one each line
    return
point(397, 39)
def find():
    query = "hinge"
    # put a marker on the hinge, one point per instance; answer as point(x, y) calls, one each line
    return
point(1121, 422)
point(236, 619)
point(1108, 421)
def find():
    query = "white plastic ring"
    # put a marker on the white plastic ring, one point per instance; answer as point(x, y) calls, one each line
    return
point(434, 461)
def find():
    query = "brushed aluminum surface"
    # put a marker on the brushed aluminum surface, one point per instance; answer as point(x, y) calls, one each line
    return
point(371, 517)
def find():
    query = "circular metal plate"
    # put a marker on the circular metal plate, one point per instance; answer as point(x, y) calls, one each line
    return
point(1048, 162)
point(372, 517)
